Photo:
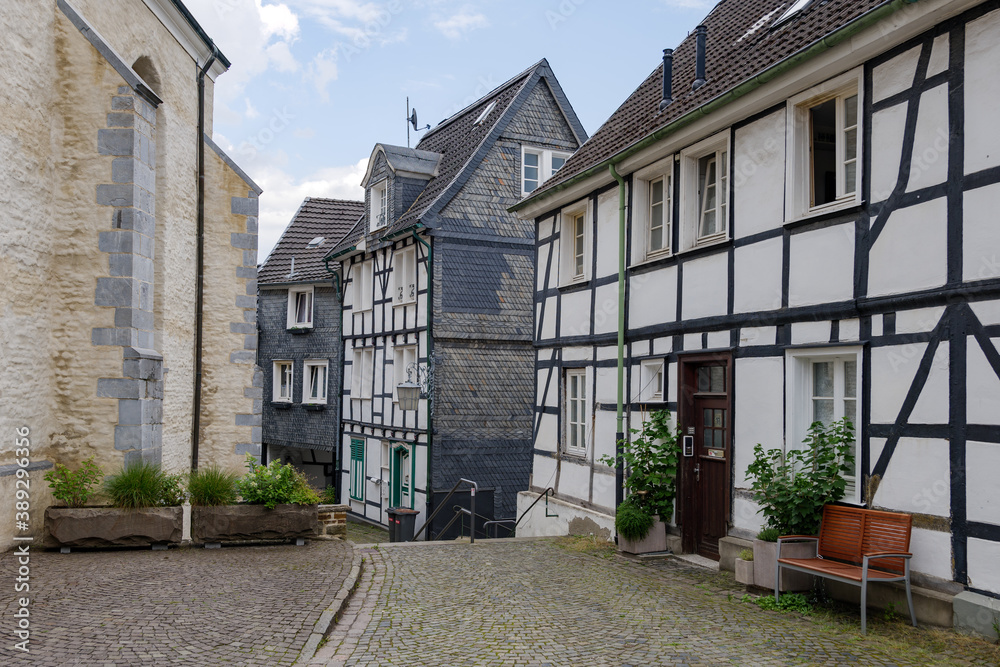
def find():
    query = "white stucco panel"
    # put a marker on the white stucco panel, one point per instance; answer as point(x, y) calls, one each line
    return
point(887, 150)
point(982, 461)
point(543, 472)
point(988, 312)
point(547, 438)
point(757, 336)
point(983, 398)
point(663, 345)
point(917, 478)
point(653, 298)
point(821, 266)
point(759, 175)
point(577, 353)
point(606, 309)
point(575, 316)
point(606, 244)
point(718, 339)
point(982, 92)
point(929, 162)
point(545, 319)
point(574, 478)
point(605, 427)
point(536, 524)
point(911, 252)
point(759, 414)
point(983, 558)
point(850, 329)
point(542, 266)
point(706, 286)
point(939, 55)
point(932, 405)
point(747, 516)
point(895, 75)
point(607, 386)
point(918, 320)
point(810, 332)
point(757, 283)
point(893, 369)
point(931, 551)
point(981, 233)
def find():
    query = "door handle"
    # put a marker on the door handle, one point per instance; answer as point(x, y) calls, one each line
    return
point(697, 473)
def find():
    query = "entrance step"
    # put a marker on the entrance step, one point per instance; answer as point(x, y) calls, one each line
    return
point(700, 561)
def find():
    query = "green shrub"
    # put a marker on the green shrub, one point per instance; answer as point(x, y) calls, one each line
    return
point(274, 484)
point(329, 496)
point(769, 535)
point(143, 485)
point(651, 461)
point(788, 602)
point(746, 554)
point(74, 487)
point(212, 486)
point(632, 521)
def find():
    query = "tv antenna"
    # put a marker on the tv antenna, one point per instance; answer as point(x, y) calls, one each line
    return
point(411, 119)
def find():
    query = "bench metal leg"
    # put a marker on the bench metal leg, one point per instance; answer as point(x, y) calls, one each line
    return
point(864, 607)
point(909, 601)
point(777, 580)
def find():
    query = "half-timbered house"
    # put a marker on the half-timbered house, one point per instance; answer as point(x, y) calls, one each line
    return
point(807, 221)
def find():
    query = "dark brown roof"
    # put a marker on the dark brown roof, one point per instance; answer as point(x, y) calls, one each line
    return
point(742, 42)
point(330, 219)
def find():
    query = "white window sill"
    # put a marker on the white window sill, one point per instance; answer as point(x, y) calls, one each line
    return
point(832, 207)
point(652, 257)
point(400, 304)
point(576, 453)
point(578, 280)
point(711, 240)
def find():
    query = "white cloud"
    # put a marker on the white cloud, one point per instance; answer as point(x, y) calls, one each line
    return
point(281, 57)
point(323, 70)
point(283, 194)
point(304, 133)
point(278, 20)
point(456, 25)
point(251, 112)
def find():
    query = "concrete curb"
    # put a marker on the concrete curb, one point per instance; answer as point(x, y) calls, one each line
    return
point(330, 616)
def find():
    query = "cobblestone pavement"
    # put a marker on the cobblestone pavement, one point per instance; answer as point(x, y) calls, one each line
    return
point(252, 605)
point(533, 603)
point(360, 532)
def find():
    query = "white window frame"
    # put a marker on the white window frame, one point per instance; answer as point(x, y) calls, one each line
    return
point(279, 371)
point(545, 162)
point(362, 373)
point(404, 276)
point(692, 196)
point(642, 216)
point(576, 377)
point(293, 321)
point(799, 405)
point(379, 205)
point(652, 374)
point(307, 381)
point(568, 274)
point(799, 175)
point(402, 357)
point(363, 281)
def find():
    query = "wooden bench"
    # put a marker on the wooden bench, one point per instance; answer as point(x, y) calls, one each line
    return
point(856, 546)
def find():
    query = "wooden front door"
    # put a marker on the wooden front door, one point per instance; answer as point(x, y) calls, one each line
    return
point(706, 415)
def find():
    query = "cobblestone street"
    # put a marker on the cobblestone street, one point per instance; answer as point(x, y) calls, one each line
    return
point(231, 606)
point(534, 603)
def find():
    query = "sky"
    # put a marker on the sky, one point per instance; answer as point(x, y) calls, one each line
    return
point(315, 84)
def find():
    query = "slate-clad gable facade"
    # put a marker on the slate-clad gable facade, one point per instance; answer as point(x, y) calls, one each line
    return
point(863, 287)
point(470, 324)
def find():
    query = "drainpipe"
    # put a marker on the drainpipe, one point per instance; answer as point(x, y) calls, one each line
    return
point(430, 389)
point(620, 432)
point(199, 299)
point(338, 460)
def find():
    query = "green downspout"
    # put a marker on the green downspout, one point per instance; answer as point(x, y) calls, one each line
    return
point(338, 461)
point(620, 432)
point(429, 506)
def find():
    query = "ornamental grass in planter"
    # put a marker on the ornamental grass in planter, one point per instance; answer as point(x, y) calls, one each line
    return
point(791, 489)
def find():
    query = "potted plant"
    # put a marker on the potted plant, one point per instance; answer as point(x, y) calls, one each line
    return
point(277, 505)
point(651, 461)
point(791, 489)
point(145, 507)
point(744, 568)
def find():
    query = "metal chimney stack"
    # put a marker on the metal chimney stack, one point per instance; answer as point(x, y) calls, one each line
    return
point(700, 34)
point(668, 76)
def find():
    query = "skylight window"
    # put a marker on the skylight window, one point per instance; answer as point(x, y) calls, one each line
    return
point(796, 7)
point(316, 242)
point(486, 112)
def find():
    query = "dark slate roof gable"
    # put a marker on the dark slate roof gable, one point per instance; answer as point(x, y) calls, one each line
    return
point(462, 144)
point(409, 161)
point(743, 41)
point(316, 217)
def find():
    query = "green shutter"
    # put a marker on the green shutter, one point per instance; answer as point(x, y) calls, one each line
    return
point(357, 469)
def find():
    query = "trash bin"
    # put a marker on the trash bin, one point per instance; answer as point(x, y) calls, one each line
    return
point(402, 522)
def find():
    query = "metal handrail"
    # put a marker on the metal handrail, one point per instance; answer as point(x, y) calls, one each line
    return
point(544, 494)
point(444, 503)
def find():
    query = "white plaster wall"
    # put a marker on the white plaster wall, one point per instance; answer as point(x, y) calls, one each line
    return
point(547, 319)
point(747, 516)
point(536, 524)
point(547, 438)
point(929, 163)
point(911, 252)
point(759, 414)
point(850, 330)
point(759, 176)
point(574, 477)
point(893, 370)
point(982, 461)
point(717, 339)
point(575, 315)
point(932, 405)
point(758, 276)
point(981, 234)
point(542, 262)
point(983, 398)
point(606, 309)
point(543, 472)
point(606, 243)
point(988, 312)
point(577, 353)
point(653, 298)
point(918, 320)
point(939, 55)
point(706, 286)
point(810, 332)
point(896, 75)
point(821, 267)
point(887, 150)
point(604, 489)
point(917, 478)
point(663, 345)
point(757, 336)
point(605, 428)
point(931, 551)
point(607, 386)
point(982, 92)
point(983, 557)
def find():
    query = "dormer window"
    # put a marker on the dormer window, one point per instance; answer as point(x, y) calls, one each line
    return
point(538, 165)
point(379, 213)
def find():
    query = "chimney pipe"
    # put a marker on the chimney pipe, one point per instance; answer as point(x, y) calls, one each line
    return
point(699, 64)
point(668, 76)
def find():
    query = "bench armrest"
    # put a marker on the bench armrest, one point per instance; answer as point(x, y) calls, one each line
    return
point(887, 554)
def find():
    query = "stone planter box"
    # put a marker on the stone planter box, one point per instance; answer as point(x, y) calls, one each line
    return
point(654, 542)
point(112, 526)
point(764, 563)
point(744, 572)
point(332, 519)
point(241, 523)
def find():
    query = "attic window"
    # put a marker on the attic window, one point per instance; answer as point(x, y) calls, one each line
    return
point(316, 242)
point(486, 112)
point(796, 7)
